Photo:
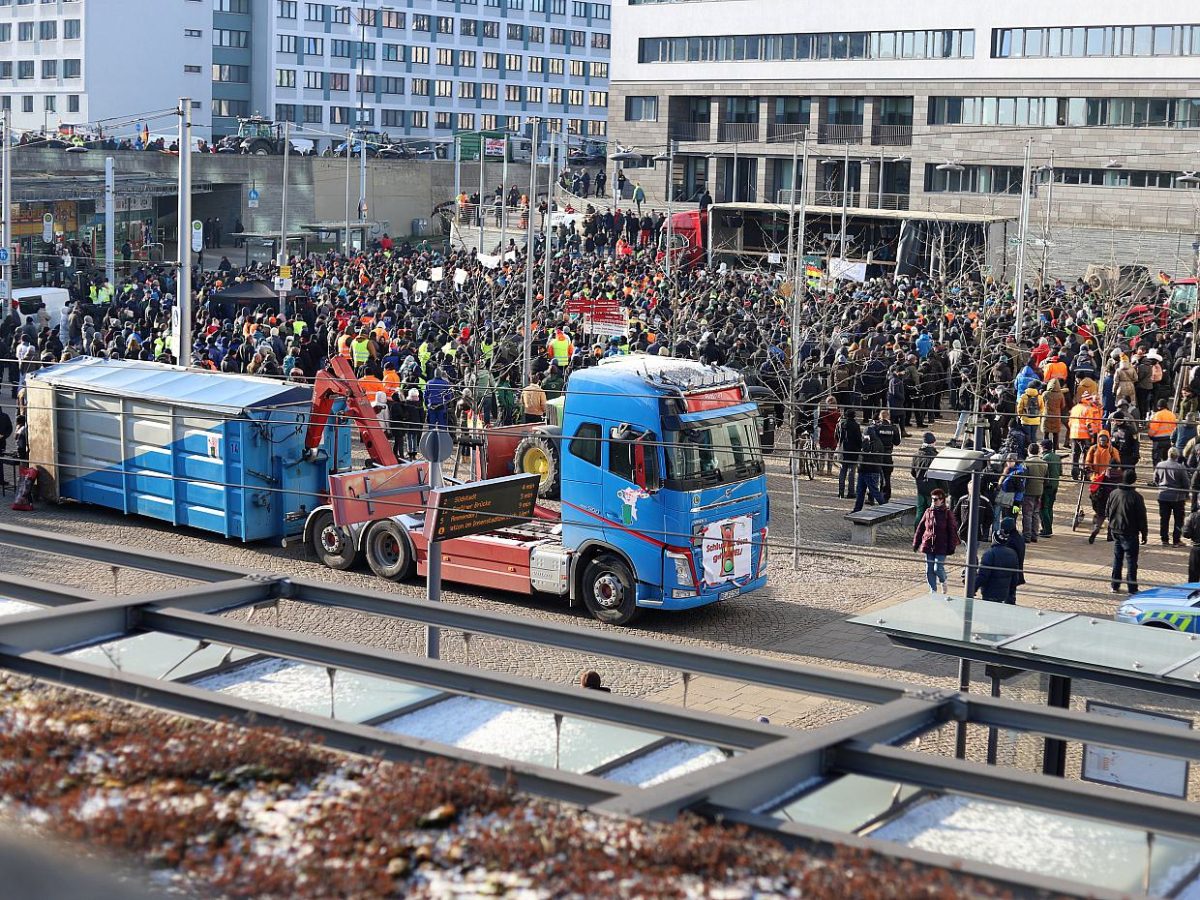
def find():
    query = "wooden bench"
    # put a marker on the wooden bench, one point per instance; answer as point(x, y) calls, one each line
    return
point(864, 522)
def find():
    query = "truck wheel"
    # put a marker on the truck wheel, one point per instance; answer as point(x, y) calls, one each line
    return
point(388, 551)
point(609, 590)
point(537, 455)
point(260, 149)
point(332, 545)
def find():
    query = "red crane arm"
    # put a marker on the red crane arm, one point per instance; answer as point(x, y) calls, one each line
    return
point(342, 383)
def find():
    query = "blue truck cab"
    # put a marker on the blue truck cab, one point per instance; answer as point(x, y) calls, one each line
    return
point(664, 496)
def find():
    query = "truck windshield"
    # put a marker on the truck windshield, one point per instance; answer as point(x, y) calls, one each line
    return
point(717, 453)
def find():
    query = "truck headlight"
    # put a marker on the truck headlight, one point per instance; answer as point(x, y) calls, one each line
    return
point(683, 568)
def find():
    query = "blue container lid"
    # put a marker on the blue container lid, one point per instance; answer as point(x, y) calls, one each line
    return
point(227, 394)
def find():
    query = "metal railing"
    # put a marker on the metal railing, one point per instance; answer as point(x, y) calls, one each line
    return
point(892, 135)
point(786, 132)
point(839, 134)
point(747, 132)
point(691, 131)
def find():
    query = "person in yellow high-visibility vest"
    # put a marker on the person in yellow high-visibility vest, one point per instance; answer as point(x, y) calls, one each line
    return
point(360, 348)
point(560, 348)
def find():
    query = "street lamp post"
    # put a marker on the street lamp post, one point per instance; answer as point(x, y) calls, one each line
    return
point(1019, 287)
point(527, 354)
point(845, 199)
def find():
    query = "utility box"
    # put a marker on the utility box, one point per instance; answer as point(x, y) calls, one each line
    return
point(222, 453)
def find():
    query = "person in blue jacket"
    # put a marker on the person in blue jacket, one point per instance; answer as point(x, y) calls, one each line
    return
point(1025, 378)
point(438, 397)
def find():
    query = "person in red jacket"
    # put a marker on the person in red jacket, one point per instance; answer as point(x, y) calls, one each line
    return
point(937, 537)
point(827, 423)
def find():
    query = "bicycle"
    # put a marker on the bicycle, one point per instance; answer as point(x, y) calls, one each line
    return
point(806, 457)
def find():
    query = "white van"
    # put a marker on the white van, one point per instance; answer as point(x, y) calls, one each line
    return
point(27, 301)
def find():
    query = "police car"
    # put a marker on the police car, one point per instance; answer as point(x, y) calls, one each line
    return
point(1176, 607)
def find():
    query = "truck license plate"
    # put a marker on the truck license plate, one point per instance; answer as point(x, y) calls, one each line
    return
point(729, 594)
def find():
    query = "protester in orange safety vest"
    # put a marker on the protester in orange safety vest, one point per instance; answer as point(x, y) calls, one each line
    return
point(1085, 421)
point(1161, 426)
point(1101, 455)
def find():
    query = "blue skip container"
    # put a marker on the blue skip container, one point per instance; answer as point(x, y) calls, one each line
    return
point(223, 453)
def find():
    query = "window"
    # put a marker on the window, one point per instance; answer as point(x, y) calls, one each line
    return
point(512, 93)
point(555, 96)
point(6, 70)
point(445, 56)
point(533, 94)
point(420, 87)
point(445, 24)
point(71, 30)
point(491, 60)
point(71, 68)
point(364, 117)
point(25, 31)
point(48, 30)
point(513, 62)
point(287, 43)
point(516, 32)
point(537, 64)
point(342, 49)
point(231, 74)
point(491, 29)
point(72, 103)
point(443, 87)
point(313, 46)
point(339, 14)
point(418, 55)
point(230, 108)
point(623, 458)
point(598, 99)
point(25, 69)
point(391, 118)
point(466, 90)
point(191, 70)
point(575, 98)
point(285, 78)
point(600, 40)
point(554, 66)
point(585, 445)
point(941, 44)
point(466, 59)
point(1096, 41)
point(314, 12)
point(641, 109)
point(598, 69)
point(468, 27)
point(536, 34)
point(418, 118)
point(466, 121)
point(227, 37)
point(285, 9)
point(232, 6)
point(27, 103)
point(5, 32)
point(339, 115)
point(337, 81)
point(488, 91)
point(50, 103)
point(314, 80)
point(192, 33)
point(285, 112)
point(392, 53)
point(314, 115)
point(420, 22)
point(391, 85)
point(392, 18)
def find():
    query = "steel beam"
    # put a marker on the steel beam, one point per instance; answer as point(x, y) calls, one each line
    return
point(825, 841)
point(1162, 815)
point(777, 771)
point(1142, 736)
point(101, 551)
point(346, 737)
point(32, 591)
point(773, 673)
point(446, 676)
point(115, 617)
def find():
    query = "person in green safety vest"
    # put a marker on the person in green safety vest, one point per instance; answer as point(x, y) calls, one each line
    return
point(560, 347)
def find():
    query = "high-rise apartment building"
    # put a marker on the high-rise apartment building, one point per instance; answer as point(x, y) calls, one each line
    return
point(102, 61)
point(424, 68)
point(929, 106)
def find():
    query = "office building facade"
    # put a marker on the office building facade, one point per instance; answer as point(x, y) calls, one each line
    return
point(105, 62)
point(929, 106)
point(430, 68)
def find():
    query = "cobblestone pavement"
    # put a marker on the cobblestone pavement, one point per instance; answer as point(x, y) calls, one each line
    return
point(799, 617)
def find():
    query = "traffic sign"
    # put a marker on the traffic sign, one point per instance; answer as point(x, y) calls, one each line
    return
point(48, 227)
point(285, 272)
point(283, 285)
point(482, 506)
point(252, 199)
point(197, 236)
point(5, 256)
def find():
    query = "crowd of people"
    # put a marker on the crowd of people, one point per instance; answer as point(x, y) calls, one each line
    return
point(1093, 392)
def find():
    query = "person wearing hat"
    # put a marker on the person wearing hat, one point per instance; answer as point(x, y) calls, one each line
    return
point(919, 469)
point(1161, 427)
point(1000, 568)
point(1054, 468)
point(1127, 520)
point(1082, 426)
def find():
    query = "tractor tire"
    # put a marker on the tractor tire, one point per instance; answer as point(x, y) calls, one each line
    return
point(388, 550)
point(538, 455)
point(261, 148)
point(333, 546)
point(609, 590)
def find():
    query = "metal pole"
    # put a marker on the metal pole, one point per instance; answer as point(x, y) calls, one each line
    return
point(110, 222)
point(283, 223)
point(526, 353)
point(1019, 286)
point(362, 181)
point(183, 293)
point(349, 150)
point(880, 205)
point(799, 292)
point(670, 189)
point(458, 210)
point(504, 199)
point(479, 211)
point(964, 665)
point(1046, 230)
point(546, 226)
point(735, 171)
point(6, 221)
point(433, 574)
point(791, 238)
point(845, 200)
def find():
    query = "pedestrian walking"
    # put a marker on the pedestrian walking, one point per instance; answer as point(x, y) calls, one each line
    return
point(1010, 491)
point(870, 464)
point(999, 570)
point(919, 469)
point(849, 442)
point(937, 537)
point(1174, 483)
point(1126, 513)
point(887, 436)
point(1035, 486)
point(1161, 428)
